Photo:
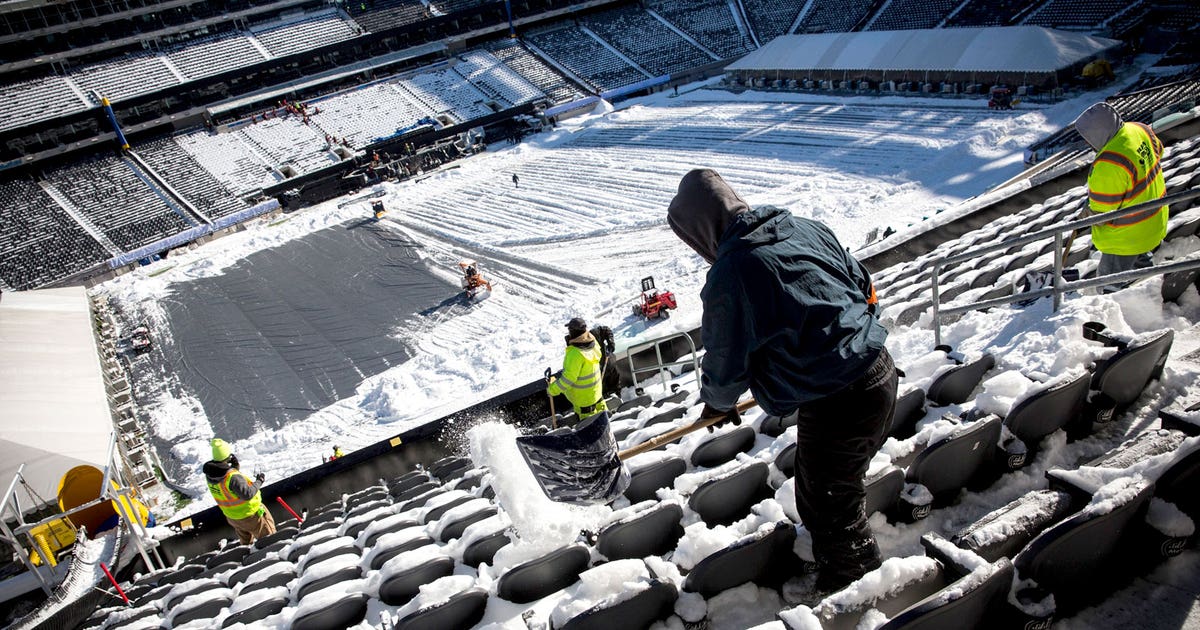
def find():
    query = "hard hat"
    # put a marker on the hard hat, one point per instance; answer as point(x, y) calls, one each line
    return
point(576, 326)
point(220, 450)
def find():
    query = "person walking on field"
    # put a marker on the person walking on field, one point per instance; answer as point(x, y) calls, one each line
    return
point(1126, 172)
point(239, 498)
point(580, 379)
point(790, 316)
point(516, 181)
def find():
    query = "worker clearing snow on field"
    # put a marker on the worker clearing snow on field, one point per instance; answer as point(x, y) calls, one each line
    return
point(473, 281)
point(580, 379)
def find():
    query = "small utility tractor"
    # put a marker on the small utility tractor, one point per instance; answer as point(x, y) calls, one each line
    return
point(655, 303)
point(378, 209)
point(1001, 98)
point(473, 281)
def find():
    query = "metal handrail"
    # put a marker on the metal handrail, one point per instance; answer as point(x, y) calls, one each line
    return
point(1059, 286)
point(659, 365)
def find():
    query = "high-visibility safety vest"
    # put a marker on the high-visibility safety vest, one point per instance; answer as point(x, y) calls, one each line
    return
point(1127, 172)
point(231, 505)
point(581, 380)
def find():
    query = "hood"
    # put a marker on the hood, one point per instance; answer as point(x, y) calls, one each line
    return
point(702, 210)
point(582, 341)
point(215, 471)
point(1098, 124)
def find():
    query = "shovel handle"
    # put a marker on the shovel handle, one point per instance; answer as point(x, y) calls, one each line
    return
point(675, 434)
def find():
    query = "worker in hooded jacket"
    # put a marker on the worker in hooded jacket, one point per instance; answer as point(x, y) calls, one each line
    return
point(238, 497)
point(580, 379)
point(790, 316)
point(1126, 172)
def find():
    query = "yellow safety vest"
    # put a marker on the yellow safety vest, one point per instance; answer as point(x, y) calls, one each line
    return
point(1127, 172)
point(231, 505)
point(581, 380)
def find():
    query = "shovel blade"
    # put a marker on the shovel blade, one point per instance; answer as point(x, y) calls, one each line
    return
point(577, 465)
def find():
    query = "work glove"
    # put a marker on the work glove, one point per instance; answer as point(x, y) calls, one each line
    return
point(728, 417)
point(259, 479)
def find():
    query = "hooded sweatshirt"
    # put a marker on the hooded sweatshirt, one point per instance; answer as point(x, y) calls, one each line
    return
point(785, 306)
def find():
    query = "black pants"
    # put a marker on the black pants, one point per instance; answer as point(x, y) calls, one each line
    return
point(836, 437)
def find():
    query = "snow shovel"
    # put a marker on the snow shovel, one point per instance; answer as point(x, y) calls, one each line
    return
point(583, 465)
point(553, 416)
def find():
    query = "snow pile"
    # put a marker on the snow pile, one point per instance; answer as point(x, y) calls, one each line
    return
point(1169, 520)
point(893, 576)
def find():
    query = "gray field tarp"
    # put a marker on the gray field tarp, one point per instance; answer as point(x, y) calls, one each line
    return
point(292, 329)
point(994, 49)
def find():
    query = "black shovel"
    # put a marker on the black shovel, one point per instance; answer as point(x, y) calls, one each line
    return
point(582, 465)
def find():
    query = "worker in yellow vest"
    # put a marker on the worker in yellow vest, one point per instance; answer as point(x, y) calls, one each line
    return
point(1126, 172)
point(580, 379)
point(238, 497)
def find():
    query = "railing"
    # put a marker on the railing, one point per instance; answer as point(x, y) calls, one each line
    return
point(660, 366)
point(1059, 286)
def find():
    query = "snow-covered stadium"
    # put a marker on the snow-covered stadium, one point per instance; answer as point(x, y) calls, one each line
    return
point(250, 220)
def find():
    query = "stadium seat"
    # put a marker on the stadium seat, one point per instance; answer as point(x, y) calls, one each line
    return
point(636, 403)
point(372, 494)
point(384, 555)
point(537, 578)
point(332, 515)
point(233, 553)
point(410, 492)
point(883, 490)
point(282, 578)
point(971, 601)
point(1123, 376)
point(726, 498)
point(774, 426)
point(1179, 482)
point(669, 415)
point(407, 481)
point(785, 461)
point(1004, 532)
point(437, 512)
point(201, 610)
point(1049, 410)
point(182, 574)
point(723, 447)
point(462, 611)
point(398, 588)
point(640, 611)
point(455, 529)
point(341, 575)
point(954, 386)
point(330, 525)
point(644, 482)
point(946, 466)
point(482, 551)
point(762, 558)
point(677, 396)
point(344, 547)
point(179, 594)
point(362, 507)
point(403, 523)
point(257, 612)
point(213, 572)
point(246, 571)
point(1073, 558)
point(341, 613)
point(652, 532)
point(281, 534)
point(910, 408)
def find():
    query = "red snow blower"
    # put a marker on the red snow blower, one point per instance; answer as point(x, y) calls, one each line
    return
point(655, 303)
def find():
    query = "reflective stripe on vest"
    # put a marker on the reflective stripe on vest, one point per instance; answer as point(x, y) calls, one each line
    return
point(585, 381)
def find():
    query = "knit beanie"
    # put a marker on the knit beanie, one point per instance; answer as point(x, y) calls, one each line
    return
point(220, 450)
point(1098, 124)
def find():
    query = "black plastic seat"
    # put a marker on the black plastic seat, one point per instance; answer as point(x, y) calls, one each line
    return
point(1004, 532)
point(234, 553)
point(1141, 447)
point(442, 466)
point(462, 611)
point(1176, 283)
point(240, 575)
point(638, 402)
point(948, 465)
point(437, 512)
point(482, 551)
point(538, 578)
point(954, 386)
point(282, 578)
point(645, 481)
point(224, 567)
point(342, 613)
point(966, 603)
point(366, 506)
point(203, 610)
point(421, 500)
point(910, 408)
point(1048, 410)
point(398, 588)
point(179, 595)
point(411, 492)
point(677, 396)
point(652, 533)
point(281, 534)
point(1072, 557)
point(374, 493)
point(408, 481)
point(761, 558)
point(640, 611)
point(345, 548)
point(1124, 375)
point(774, 426)
point(328, 525)
point(1178, 484)
point(302, 545)
point(391, 552)
point(332, 515)
point(341, 575)
point(452, 470)
point(785, 461)
point(455, 529)
point(669, 415)
point(182, 574)
point(725, 499)
point(374, 537)
point(257, 612)
point(883, 489)
point(723, 447)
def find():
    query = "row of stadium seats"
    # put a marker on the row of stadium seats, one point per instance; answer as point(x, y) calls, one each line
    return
point(645, 40)
point(709, 22)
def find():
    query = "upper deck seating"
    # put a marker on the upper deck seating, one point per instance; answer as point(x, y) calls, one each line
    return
point(645, 40)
